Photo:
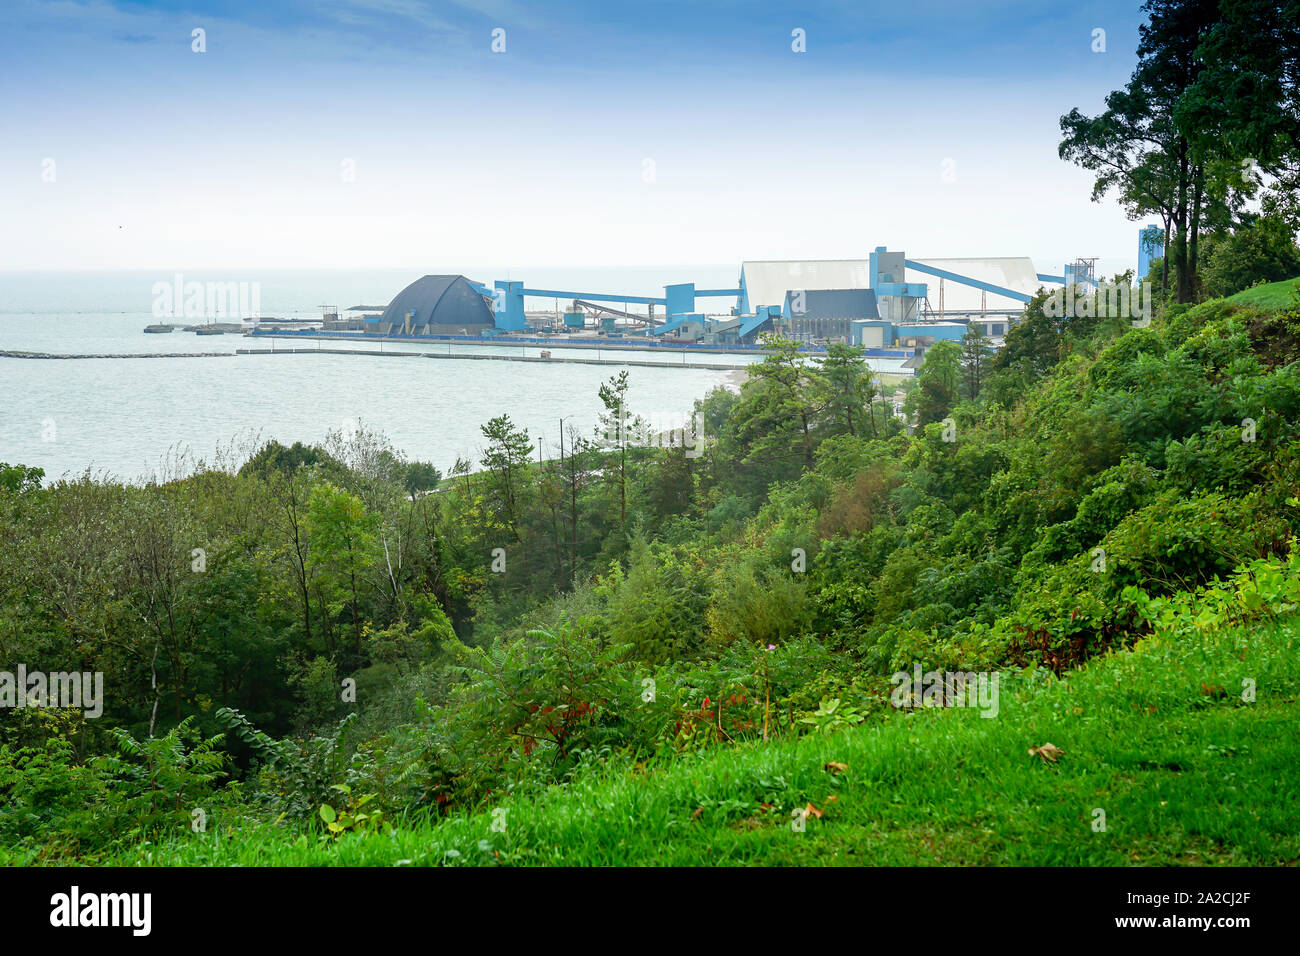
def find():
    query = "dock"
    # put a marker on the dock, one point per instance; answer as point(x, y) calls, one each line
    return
point(710, 366)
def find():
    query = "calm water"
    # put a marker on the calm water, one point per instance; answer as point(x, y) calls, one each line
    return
point(131, 417)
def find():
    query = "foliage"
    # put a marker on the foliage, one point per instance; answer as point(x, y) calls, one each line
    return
point(940, 383)
point(352, 816)
point(832, 714)
point(1255, 253)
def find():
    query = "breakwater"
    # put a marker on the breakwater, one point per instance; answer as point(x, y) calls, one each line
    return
point(568, 360)
point(8, 353)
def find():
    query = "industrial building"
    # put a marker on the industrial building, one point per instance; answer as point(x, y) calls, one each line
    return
point(885, 301)
point(766, 282)
point(827, 314)
point(435, 305)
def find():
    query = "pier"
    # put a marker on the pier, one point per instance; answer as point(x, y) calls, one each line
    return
point(717, 367)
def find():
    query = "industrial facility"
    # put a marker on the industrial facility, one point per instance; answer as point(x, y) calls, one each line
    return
point(887, 303)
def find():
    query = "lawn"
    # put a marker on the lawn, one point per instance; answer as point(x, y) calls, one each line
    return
point(1274, 295)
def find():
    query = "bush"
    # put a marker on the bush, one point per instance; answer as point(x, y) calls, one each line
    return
point(658, 608)
point(760, 607)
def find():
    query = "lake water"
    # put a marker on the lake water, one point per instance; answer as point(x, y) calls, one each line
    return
point(131, 417)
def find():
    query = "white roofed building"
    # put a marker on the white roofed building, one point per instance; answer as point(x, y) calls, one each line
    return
point(766, 281)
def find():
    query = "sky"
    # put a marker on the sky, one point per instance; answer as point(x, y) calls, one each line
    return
point(341, 134)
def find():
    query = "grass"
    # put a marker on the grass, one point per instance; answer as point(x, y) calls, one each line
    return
point(1274, 295)
point(1157, 737)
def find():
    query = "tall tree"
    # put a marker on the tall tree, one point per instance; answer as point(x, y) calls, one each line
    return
point(847, 388)
point(619, 426)
point(1138, 147)
point(1246, 99)
point(778, 405)
point(344, 537)
point(420, 476)
point(976, 354)
point(939, 384)
point(289, 492)
point(1262, 250)
point(506, 458)
point(574, 469)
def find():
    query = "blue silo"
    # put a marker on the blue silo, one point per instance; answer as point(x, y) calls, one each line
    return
point(1151, 245)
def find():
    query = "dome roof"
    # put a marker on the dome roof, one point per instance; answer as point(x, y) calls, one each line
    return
point(448, 301)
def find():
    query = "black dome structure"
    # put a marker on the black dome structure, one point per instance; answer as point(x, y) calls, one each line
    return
point(436, 305)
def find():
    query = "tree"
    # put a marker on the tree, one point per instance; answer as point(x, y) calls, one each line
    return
point(847, 388)
point(19, 479)
point(659, 608)
point(156, 545)
point(274, 457)
point(551, 493)
point(376, 471)
point(289, 492)
point(1262, 251)
point(939, 383)
point(1138, 147)
point(778, 405)
point(575, 469)
point(461, 469)
point(975, 358)
point(343, 540)
point(420, 476)
point(618, 424)
point(506, 459)
point(1035, 343)
point(1247, 96)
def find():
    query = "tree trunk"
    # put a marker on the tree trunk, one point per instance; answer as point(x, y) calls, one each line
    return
point(1164, 259)
point(1180, 219)
point(1195, 230)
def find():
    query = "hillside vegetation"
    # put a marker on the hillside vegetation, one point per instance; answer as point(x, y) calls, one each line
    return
point(1159, 764)
point(641, 654)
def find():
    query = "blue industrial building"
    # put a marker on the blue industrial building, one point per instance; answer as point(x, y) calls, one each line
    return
point(828, 314)
point(1151, 245)
point(886, 300)
point(434, 305)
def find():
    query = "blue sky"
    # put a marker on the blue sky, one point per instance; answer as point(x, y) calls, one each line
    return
point(387, 133)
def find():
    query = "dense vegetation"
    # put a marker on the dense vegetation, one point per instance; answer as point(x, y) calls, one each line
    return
point(1207, 782)
point(329, 640)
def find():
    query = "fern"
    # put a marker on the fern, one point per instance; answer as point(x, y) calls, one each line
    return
point(269, 751)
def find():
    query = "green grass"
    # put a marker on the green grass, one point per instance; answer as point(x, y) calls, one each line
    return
point(1274, 295)
point(1184, 777)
